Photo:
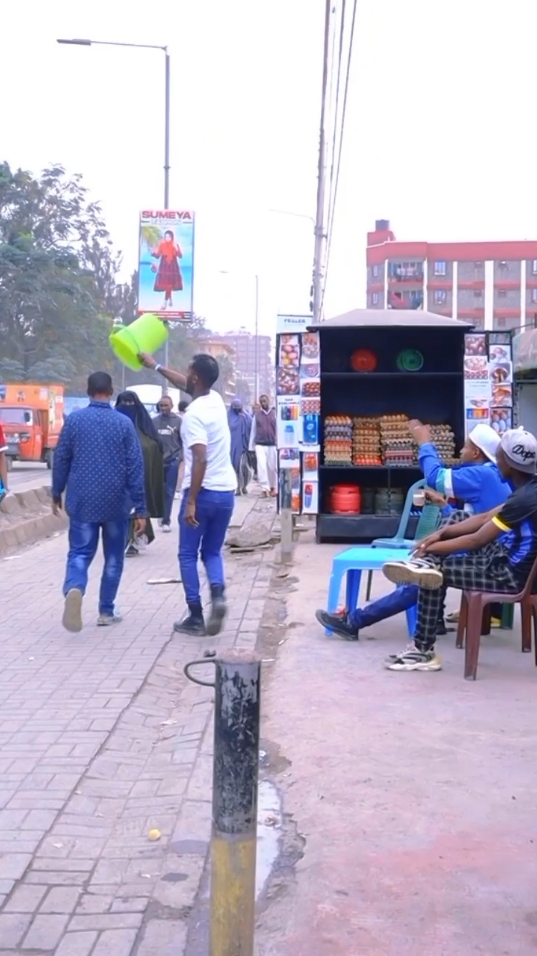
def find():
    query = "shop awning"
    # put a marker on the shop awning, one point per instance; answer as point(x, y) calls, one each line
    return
point(390, 318)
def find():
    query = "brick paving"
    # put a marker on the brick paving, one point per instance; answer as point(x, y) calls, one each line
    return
point(102, 739)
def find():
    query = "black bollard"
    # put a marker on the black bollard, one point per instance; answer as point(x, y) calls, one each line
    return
point(235, 777)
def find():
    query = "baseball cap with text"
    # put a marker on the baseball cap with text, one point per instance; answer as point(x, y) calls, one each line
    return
point(520, 449)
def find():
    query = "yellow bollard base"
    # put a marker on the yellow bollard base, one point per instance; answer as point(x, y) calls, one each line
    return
point(233, 861)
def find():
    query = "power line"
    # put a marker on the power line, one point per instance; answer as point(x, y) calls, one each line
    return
point(334, 192)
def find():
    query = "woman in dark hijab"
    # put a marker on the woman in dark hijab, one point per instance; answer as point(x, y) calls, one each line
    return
point(130, 405)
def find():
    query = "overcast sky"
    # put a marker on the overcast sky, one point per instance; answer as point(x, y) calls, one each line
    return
point(440, 129)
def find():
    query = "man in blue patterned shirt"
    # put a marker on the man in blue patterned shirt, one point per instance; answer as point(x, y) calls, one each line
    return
point(99, 461)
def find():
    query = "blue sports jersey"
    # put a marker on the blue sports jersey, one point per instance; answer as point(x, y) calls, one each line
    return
point(480, 487)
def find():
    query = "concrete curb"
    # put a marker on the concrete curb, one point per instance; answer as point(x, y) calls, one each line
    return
point(30, 518)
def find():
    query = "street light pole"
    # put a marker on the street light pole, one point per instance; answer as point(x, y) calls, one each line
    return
point(167, 98)
point(256, 341)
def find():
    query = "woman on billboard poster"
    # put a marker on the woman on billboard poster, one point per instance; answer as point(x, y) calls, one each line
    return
point(168, 278)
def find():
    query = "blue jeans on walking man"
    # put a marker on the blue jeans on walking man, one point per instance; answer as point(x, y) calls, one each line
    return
point(171, 473)
point(83, 543)
point(213, 514)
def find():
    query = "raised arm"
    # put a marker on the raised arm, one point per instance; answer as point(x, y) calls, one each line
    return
point(175, 378)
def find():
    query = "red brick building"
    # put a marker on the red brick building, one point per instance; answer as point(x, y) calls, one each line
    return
point(491, 284)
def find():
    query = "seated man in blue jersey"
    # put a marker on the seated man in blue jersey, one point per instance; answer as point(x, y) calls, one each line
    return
point(476, 482)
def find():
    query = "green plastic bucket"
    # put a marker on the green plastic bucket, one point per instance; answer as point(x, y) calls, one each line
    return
point(146, 334)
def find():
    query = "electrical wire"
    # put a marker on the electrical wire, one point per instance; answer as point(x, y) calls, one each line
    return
point(334, 189)
point(336, 104)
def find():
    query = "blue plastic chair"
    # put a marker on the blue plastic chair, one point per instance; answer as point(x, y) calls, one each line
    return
point(428, 522)
point(351, 563)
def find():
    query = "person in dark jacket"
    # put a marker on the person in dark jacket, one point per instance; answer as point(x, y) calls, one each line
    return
point(130, 405)
point(263, 442)
point(168, 426)
point(98, 462)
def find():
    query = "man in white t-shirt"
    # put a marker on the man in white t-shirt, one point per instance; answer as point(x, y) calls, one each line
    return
point(208, 490)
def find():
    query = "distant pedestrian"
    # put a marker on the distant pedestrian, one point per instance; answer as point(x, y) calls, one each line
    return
point(99, 461)
point(168, 426)
point(208, 492)
point(263, 442)
point(240, 426)
point(129, 404)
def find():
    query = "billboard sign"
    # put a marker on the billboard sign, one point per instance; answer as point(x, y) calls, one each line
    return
point(166, 263)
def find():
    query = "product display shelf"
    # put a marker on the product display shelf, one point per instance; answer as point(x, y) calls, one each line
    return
point(434, 393)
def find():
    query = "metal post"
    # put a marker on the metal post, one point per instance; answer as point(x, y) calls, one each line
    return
point(166, 173)
point(256, 342)
point(286, 516)
point(237, 688)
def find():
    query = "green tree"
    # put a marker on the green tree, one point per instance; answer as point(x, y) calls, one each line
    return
point(58, 292)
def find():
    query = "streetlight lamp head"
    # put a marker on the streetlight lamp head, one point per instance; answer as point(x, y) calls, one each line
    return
point(75, 42)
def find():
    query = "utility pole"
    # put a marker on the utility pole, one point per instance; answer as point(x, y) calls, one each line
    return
point(320, 236)
point(166, 174)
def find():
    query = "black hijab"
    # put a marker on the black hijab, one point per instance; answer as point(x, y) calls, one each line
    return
point(129, 404)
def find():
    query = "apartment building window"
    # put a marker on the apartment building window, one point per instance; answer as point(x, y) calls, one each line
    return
point(478, 265)
point(534, 295)
point(502, 293)
point(478, 294)
point(440, 296)
point(534, 267)
point(502, 266)
point(440, 268)
point(375, 272)
point(375, 298)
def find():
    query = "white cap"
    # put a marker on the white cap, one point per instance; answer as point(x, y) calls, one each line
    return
point(486, 439)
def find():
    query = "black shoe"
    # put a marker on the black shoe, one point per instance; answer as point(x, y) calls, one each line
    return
point(193, 624)
point(340, 625)
point(441, 629)
point(218, 611)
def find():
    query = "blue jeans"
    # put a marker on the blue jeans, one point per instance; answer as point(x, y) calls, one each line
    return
point(83, 542)
point(213, 514)
point(393, 603)
point(401, 599)
point(171, 472)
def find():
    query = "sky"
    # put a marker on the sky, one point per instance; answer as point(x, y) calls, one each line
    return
point(439, 130)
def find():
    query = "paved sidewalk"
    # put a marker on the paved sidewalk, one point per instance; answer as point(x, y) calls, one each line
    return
point(102, 739)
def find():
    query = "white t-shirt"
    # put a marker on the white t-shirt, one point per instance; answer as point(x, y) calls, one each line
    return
point(205, 423)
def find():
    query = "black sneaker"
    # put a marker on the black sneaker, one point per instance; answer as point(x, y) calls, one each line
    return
point(339, 624)
point(193, 624)
point(218, 611)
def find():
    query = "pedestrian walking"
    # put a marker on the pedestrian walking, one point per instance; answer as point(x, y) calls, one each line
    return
point(129, 404)
point(208, 490)
point(168, 426)
point(240, 426)
point(98, 461)
point(263, 442)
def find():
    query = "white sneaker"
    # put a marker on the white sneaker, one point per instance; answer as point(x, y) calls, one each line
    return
point(412, 659)
point(166, 529)
point(415, 571)
point(72, 611)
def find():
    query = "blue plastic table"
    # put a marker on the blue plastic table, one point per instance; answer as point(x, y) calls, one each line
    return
point(351, 563)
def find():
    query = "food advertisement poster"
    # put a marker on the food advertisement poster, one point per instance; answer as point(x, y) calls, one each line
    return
point(298, 401)
point(488, 380)
point(166, 263)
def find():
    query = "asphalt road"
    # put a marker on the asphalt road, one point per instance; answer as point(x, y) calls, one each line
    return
point(24, 474)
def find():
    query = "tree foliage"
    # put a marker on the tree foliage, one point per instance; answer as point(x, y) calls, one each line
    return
point(59, 292)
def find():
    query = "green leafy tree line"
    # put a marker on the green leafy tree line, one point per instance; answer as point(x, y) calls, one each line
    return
point(59, 293)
